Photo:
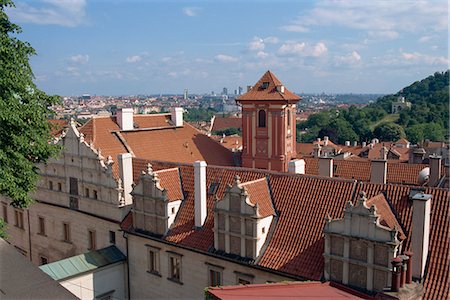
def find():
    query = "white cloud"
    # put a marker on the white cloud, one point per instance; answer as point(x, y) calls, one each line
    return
point(271, 40)
point(384, 16)
point(424, 58)
point(257, 44)
point(80, 58)
point(225, 58)
point(262, 54)
point(303, 49)
point(68, 13)
point(319, 50)
point(191, 11)
point(351, 58)
point(424, 39)
point(384, 34)
point(134, 59)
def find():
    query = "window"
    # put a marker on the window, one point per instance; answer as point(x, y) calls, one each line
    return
point(95, 194)
point(262, 119)
point(66, 232)
point(86, 192)
point(5, 212)
point(59, 186)
point(73, 186)
point(263, 230)
point(175, 267)
point(43, 260)
point(50, 185)
point(18, 216)
point(41, 225)
point(265, 85)
point(215, 277)
point(243, 281)
point(73, 203)
point(153, 260)
point(289, 117)
point(112, 237)
point(91, 240)
point(172, 210)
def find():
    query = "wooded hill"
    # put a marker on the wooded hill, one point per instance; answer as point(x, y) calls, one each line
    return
point(428, 117)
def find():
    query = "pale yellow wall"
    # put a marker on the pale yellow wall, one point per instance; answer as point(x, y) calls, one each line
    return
point(194, 274)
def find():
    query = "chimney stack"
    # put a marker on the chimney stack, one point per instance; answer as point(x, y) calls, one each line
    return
point(326, 166)
point(420, 232)
point(297, 166)
point(435, 169)
point(347, 143)
point(317, 150)
point(364, 144)
point(378, 172)
point(176, 115)
point(124, 118)
point(126, 175)
point(355, 143)
point(325, 141)
point(200, 193)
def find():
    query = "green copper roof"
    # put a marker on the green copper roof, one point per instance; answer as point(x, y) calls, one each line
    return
point(82, 263)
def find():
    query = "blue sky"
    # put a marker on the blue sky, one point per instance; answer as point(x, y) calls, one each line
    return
point(147, 47)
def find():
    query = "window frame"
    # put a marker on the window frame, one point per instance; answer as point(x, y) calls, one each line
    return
point(112, 237)
point(92, 239)
point(262, 116)
point(66, 233)
point(153, 260)
point(241, 277)
point(175, 276)
point(5, 212)
point(41, 226)
point(18, 218)
point(214, 269)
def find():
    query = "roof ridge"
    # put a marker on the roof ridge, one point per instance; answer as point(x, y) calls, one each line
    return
point(166, 170)
point(252, 181)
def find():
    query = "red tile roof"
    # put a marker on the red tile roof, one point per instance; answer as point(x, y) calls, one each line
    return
point(170, 180)
point(284, 290)
point(302, 203)
point(258, 193)
point(270, 93)
point(181, 144)
point(230, 142)
point(221, 123)
point(57, 127)
point(387, 217)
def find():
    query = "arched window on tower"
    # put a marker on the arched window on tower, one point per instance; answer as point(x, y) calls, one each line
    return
point(261, 118)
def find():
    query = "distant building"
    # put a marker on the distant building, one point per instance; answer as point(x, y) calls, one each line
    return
point(186, 94)
point(240, 90)
point(397, 106)
point(225, 91)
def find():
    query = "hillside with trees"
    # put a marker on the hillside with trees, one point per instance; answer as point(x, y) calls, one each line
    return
point(428, 117)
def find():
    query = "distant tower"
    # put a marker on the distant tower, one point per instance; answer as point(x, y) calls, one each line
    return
point(225, 91)
point(186, 94)
point(268, 125)
point(240, 89)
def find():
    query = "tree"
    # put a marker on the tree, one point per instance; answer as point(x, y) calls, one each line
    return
point(389, 132)
point(24, 111)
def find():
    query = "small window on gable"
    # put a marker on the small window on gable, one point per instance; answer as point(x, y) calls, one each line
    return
point(262, 118)
point(173, 210)
point(263, 230)
point(265, 85)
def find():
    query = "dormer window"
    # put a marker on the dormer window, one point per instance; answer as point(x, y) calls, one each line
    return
point(262, 118)
point(247, 209)
point(265, 85)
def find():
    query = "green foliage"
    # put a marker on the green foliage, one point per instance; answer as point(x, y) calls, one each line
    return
point(24, 129)
point(199, 114)
point(428, 118)
point(227, 131)
point(3, 234)
point(389, 132)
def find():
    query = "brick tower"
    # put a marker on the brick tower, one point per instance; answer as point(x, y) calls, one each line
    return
point(268, 125)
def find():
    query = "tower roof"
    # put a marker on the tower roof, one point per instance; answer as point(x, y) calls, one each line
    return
point(268, 88)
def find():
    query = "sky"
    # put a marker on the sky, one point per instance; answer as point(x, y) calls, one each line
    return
point(120, 47)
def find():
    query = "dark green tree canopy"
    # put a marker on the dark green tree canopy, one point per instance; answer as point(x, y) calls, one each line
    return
point(24, 111)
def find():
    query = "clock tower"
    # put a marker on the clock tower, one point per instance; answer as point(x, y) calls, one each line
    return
point(268, 125)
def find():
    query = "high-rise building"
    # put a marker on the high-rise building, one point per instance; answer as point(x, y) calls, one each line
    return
point(225, 91)
point(268, 125)
point(240, 89)
point(186, 94)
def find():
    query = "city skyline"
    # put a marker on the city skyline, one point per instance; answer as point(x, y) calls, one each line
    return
point(152, 47)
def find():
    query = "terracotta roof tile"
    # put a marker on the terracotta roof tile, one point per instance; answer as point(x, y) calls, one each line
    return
point(57, 127)
point(170, 180)
point(221, 123)
point(269, 93)
point(258, 192)
point(387, 217)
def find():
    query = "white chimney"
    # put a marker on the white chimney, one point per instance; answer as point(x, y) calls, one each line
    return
point(326, 166)
point(435, 163)
point(347, 143)
point(280, 88)
point(364, 144)
point(177, 116)
point(325, 141)
point(296, 166)
point(200, 193)
point(124, 118)
point(355, 143)
point(420, 233)
point(378, 172)
point(126, 175)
